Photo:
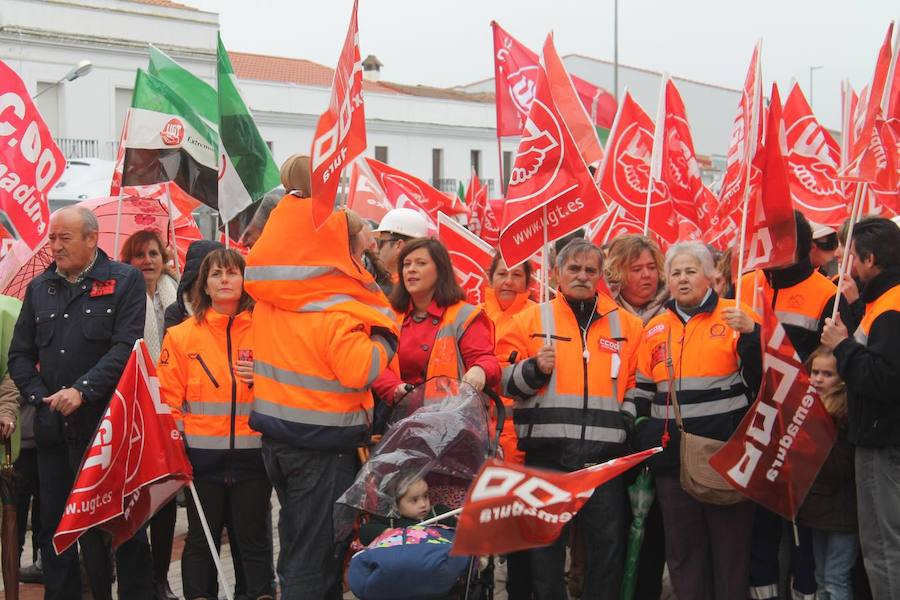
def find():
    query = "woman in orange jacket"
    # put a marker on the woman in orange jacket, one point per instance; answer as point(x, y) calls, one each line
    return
point(206, 377)
point(507, 296)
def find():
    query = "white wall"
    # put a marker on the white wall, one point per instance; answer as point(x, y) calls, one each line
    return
point(42, 39)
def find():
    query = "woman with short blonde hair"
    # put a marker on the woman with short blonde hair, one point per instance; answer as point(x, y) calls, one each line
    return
point(634, 274)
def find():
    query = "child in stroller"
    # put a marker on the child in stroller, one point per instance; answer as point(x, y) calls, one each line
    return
point(433, 447)
point(413, 506)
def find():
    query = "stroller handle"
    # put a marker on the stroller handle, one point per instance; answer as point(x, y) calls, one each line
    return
point(500, 409)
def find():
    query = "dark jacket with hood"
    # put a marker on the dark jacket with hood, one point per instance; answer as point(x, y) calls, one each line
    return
point(872, 371)
point(197, 251)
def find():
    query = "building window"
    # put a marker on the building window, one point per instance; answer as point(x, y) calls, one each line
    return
point(48, 105)
point(437, 165)
point(381, 154)
point(476, 161)
point(507, 170)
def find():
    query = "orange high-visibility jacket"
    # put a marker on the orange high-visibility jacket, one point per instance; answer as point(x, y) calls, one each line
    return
point(707, 363)
point(582, 414)
point(800, 308)
point(323, 332)
point(209, 403)
point(502, 320)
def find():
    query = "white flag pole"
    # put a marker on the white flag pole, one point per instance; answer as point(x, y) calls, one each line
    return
point(172, 229)
point(844, 268)
point(754, 128)
point(442, 516)
point(209, 541)
point(656, 152)
point(545, 260)
point(118, 227)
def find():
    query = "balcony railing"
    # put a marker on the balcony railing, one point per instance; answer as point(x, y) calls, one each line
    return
point(87, 148)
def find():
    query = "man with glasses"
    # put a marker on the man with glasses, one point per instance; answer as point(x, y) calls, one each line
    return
point(398, 227)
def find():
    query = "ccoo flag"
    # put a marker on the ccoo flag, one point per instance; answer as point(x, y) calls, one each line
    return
point(510, 507)
point(776, 452)
point(341, 131)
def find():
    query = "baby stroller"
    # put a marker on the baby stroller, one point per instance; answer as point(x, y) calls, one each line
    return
point(441, 432)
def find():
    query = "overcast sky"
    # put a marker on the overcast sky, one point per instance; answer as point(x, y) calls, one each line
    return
point(446, 42)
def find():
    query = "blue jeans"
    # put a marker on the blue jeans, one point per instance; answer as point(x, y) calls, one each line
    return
point(835, 555)
point(878, 508)
point(308, 482)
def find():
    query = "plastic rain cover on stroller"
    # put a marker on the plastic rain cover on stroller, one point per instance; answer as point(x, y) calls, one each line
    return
point(439, 432)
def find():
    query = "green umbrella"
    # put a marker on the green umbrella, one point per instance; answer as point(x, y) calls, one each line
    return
point(641, 495)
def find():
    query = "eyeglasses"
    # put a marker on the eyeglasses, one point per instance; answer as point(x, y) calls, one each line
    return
point(390, 240)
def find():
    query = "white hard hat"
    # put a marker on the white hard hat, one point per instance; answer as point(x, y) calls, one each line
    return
point(404, 221)
point(820, 231)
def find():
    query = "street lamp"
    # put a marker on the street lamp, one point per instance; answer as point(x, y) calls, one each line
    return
point(79, 70)
point(811, 71)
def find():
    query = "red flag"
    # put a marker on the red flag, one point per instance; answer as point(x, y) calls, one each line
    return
point(776, 452)
point(625, 173)
point(135, 464)
point(115, 186)
point(868, 110)
point(471, 257)
point(515, 80)
point(746, 136)
point(474, 188)
point(341, 132)
point(570, 106)
point(813, 159)
point(771, 237)
point(549, 178)
point(613, 223)
point(403, 190)
point(364, 194)
point(680, 173)
point(30, 161)
point(511, 507)
point(482, 220)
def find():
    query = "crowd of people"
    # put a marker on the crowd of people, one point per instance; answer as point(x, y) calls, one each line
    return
point(275, 367)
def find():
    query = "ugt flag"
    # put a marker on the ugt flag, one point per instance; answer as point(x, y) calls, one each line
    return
point(511, 507)
point(551, 193)
point(135, 464)
point(30, 161)
point(776, 452)
point(471, 257)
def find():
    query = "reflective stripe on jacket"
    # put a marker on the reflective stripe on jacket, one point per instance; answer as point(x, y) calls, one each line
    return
point(502, 320)
point(582, 414)
point(706, 365)
point(323, 331)
point(209, 403)
point(799, 307)
point(445, 358)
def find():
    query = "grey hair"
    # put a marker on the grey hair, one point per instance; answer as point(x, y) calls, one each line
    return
point(696, 249)
point(89, 222)
point(574, 248)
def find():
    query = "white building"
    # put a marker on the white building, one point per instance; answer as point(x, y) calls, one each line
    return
point(436, 134)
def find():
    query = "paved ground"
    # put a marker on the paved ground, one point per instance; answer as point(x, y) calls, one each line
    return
point(36, 592)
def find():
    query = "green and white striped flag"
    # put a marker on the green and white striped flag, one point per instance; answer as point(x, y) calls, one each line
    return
point(169, 141)
point(247, 171)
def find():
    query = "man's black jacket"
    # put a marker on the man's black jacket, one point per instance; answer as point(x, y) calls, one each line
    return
point(872, 372)
point(76, 336)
